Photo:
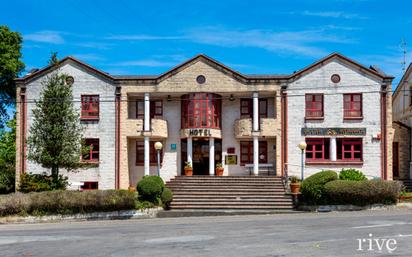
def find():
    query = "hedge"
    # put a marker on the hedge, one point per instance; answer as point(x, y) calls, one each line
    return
point(362, 192)
point(167, 197)
point(312, 188)
point(66, 202)
point(352, 174)
point(41, 182)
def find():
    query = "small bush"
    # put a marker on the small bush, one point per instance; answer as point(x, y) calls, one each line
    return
point(66, 202)
point(362, 192)
point(312, 188)
point(7, 179)
point(166, 197)
point(150, 188)
point(41, 182)
point(351, 174)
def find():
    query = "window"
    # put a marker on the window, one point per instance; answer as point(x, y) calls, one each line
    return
point(201, 110)
point(90, 107)
point(156, 109)
point(317, 149)
point(246, 108)
point(91, 150)
point(314, 106)
point(152, 153)
point(410, 96)
point(246, 152)
point(349, 149)
point(89, 185)
point(352, 106)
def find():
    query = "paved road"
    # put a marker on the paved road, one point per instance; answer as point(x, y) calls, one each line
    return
point(323, 234)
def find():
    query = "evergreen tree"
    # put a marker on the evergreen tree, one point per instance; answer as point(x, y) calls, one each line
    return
point(56, 134)
point(8, 157)
point(10, 67)
point(53, 59)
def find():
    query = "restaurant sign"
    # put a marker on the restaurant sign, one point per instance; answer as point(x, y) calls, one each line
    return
point(333, 131)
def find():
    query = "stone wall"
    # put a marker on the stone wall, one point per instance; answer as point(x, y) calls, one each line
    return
point(402, 135)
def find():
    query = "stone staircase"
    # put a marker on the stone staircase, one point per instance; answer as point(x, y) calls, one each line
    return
point(229, 193)
point(407, 184)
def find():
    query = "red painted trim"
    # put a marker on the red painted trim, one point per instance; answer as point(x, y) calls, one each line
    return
point(341, 163)
point(284, 126)
point(384, 139)
point(23, 117)
point(197, 107)
point(310, 106)
point(347, 112)
point(117, 143)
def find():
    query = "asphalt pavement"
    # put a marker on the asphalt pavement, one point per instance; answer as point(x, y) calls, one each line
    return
point(361, 233)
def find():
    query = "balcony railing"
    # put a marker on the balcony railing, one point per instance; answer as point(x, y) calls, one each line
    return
point(243, 128)
point(134, 128)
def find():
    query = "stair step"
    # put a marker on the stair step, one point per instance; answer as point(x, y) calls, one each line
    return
point(233, 207)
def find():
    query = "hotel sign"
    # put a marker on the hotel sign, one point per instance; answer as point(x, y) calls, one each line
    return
point(333, 131)
point(199, 133)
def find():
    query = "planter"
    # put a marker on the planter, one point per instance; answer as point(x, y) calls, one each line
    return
point(219, 171)
point(295, 188)
point(188, 171)
point(132, 189)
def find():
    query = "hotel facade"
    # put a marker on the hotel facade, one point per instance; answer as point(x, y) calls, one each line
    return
point(205, 113)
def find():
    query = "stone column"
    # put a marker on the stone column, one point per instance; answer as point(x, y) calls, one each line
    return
point(211, 156)
point(190, 150)
point(255, 132)
point(333, 149)
point(146, 129)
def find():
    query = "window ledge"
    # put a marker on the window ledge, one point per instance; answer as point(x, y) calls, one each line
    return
point(334, 163)
point(89, 118)
point(353, 118)
point(314, 118)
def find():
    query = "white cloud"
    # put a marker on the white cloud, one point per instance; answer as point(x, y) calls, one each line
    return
point(331, 14)
point(45, 36)
point(89, 57)
point(304, 42)
point(141, 37)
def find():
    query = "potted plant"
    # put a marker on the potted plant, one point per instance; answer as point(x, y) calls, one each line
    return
point(219, 169)
point(188, 169)
point(294, 185)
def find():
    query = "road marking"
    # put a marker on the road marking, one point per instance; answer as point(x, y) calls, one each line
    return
point(382, 225)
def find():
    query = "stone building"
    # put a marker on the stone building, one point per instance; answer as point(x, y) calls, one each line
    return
point(402, 117)
point(205, 113)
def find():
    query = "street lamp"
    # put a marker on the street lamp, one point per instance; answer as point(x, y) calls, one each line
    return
point(158, 146)
point(302, 146)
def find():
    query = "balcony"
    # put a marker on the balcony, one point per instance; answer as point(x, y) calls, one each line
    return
point(243, 128)
point(134, 128)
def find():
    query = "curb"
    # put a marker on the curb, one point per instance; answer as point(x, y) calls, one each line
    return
point(114, 215)
point(349, 207)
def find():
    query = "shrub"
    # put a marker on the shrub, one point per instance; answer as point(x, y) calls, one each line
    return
point(312, 188)
point(7, 180)
point(166, 197)
point(41, 182)
point(66, 202)
point(351, 174)
point(362, 192)
point(150, 188)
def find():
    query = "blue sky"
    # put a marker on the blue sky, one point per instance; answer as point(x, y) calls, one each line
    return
point(150, 37)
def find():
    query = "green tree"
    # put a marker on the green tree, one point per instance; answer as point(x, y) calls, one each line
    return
point(53, 59)
point(56, 134)
point(8, 157)
point(10, 67)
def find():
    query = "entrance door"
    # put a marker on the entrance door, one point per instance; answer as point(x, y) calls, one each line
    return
point(200, 155)
point(395, 159)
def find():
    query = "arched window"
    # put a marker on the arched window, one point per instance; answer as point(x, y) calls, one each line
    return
point(201, 110)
